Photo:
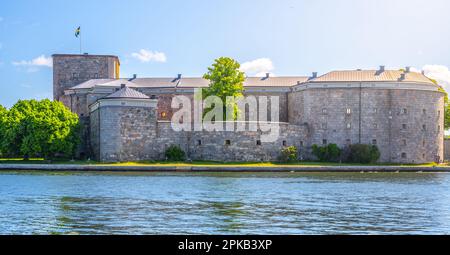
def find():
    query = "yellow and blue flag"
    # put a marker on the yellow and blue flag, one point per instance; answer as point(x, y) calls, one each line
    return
point(77, 32)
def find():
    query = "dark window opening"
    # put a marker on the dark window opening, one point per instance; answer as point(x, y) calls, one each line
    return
point(404, 155)
point(374, 142)
point(199, 142)
point(324, 142)
point(301, 144)
point(258, 142)
point(284, 143)
point(228, 142)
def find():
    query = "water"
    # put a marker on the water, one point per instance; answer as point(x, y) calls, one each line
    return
point(184, 203)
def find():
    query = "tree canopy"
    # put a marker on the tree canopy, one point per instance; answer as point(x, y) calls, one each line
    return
point(446, 109)
point(38, 129)
point(225, 80)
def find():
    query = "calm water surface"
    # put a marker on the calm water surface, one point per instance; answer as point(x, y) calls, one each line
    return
point(111, 203)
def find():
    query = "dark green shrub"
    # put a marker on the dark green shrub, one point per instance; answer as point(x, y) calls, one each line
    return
point(289, 154)
point(363, 154)
point(175, 153)
point(329, 153)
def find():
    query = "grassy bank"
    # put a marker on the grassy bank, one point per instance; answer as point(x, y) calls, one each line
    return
point(197, 163)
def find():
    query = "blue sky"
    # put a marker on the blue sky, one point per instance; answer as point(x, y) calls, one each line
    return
point(164, 38)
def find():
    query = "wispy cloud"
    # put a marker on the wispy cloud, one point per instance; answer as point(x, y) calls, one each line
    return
point(150, 56)
point(34, 64)
point(258, 67)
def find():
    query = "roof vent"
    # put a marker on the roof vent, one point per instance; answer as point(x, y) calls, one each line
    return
point(314, 74)
point(122, 86)
point(267, 75)
point(382, 68)
point(408, 69)
point(179, 76)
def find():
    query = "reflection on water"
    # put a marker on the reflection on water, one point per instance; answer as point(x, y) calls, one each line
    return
point(183, 203)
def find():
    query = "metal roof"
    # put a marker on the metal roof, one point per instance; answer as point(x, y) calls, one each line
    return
point(127, 92)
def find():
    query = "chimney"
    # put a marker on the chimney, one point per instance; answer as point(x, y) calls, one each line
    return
point(403, 77)
point(179, 76)
point(122, 86)
point(408, 69)
point(423, 72)
point(314, 75)
point(134, 76)
point(267, 75)
point(382, 68)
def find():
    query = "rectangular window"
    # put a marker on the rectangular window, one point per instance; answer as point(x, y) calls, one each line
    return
point(404, 142)
point(404, 156)
point(424, 127)
point(404, 126)
point(284, 143)
point(199, 142)
point(324, 111)
point(439, 128)
point(404, 111)
point(349, 125)
point(228, 142)
point(258, 142)
point(349, 111)
point(348, 141)
point(374, 142)
point(324, 142)
point(301, 144)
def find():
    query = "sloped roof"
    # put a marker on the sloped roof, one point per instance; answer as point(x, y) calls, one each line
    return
point(189, 82)
point(127, 92)
point(372, 76)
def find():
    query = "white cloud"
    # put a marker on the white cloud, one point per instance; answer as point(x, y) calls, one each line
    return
point(148, 55)
point(37, 62)
point(439, 73)
point(258, 67)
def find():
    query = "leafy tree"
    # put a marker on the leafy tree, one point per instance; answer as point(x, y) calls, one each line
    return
point(3, 113)
point(225, 80)
point(40, 128)
point(446, 109)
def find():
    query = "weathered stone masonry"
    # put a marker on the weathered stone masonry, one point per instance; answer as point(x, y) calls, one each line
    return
point(400, 111)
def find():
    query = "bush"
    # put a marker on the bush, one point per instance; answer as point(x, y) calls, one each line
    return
point(363, 154)
point(175, 153)
point(289, 154)
point(329, 153)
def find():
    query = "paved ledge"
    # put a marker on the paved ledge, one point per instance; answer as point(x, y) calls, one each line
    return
point(306, 169)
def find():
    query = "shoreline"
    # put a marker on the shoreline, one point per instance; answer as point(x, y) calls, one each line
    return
point(224, 169)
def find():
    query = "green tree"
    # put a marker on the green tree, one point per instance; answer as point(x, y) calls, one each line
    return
point(289, 154)
point(446, 109)
point(3, 113)
point(329, 153)
point(40, 128)
point(225, 80)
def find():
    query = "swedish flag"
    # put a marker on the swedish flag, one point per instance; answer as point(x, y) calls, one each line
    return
point(77, 32)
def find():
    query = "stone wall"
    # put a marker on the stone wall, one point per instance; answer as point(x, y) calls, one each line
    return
point(392, 119)
point(72, 70)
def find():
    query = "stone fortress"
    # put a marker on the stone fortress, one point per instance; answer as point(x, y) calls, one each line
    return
point(402, 112)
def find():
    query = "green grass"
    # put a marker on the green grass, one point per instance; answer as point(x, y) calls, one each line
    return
point(197, 163)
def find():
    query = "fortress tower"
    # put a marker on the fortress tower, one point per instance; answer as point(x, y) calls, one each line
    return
point(70, 70)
